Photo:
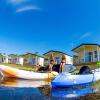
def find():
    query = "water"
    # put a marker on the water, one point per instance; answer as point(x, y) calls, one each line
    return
point(17, 89)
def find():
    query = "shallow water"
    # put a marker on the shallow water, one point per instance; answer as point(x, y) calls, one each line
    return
point(17, 89)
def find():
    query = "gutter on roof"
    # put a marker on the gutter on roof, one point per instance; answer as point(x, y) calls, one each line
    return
point(56, 51)
point(84, 44)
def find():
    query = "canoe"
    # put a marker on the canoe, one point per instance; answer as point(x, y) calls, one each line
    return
point(17, 73)
point(68, 79)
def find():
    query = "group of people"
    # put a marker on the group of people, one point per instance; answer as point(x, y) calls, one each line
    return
point(57, 67)
point(54, 67)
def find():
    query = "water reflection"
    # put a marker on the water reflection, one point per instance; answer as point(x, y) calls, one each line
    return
point(17, 89)
point(11, 82)
point(72, 92)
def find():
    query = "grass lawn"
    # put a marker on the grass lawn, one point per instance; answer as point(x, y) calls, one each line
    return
point(24, 67)
point(75, 72)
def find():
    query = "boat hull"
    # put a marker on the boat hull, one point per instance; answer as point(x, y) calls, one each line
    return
point(17, 73)
point(67, 80)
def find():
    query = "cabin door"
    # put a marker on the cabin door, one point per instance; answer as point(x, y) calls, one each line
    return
point(90, 55)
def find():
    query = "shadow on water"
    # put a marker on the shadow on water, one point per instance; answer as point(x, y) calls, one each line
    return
point(17, 89)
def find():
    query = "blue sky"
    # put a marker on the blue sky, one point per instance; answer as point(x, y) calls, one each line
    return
point(42, 25)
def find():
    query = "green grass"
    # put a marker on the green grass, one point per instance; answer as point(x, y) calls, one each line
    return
point(75, 72)
point(24, 67)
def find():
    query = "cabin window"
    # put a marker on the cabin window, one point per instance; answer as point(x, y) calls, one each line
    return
point(57, 60)
point(88, 56)
point(95, 54)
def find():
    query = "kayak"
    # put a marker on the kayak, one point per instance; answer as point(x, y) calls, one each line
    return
point(68, 79)
point(17, 73)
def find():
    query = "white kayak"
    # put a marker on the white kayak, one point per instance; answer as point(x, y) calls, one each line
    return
point(17, 73)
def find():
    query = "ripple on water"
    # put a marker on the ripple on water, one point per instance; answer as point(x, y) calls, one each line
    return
point(16, 89)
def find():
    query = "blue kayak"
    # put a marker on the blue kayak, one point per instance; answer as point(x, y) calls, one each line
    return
point(68, 79)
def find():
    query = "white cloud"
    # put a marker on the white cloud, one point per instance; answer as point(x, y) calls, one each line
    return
point(85, 35)
point(27, 8)
point(16, 1)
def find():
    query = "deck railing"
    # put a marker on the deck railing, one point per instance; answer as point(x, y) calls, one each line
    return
point(86, 60)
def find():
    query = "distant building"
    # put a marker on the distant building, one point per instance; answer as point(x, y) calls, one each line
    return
point(1, 58)
point(5, 58)
point(13, 59)
point(86, 54)
point(57, 57)
point(33, 59)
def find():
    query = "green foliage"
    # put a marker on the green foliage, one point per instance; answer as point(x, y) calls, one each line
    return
point(98, 63)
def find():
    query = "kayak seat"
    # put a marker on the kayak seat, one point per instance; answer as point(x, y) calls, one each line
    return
point(85, 70)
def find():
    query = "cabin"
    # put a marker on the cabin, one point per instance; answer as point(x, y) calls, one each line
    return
point(86, 54)
point(1, 58)
point(13, 59)
point(57, 55)
point(32, 59)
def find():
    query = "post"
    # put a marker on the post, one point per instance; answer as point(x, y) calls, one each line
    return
point(36, 60)
point(93, 57)
point(98, 59)
point(84, 54)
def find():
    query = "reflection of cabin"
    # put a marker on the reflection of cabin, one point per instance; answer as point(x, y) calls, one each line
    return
point(86, 54)
point(33, 59)
point(57, 57)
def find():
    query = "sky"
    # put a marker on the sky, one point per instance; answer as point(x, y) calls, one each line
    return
point(43, 25)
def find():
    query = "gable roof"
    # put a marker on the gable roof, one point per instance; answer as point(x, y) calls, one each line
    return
point(83, 45)
point(12, 55)
point(57, 52)
point(31, 54)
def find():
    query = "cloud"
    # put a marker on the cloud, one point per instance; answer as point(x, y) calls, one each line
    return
point(85, 35)
point(16, 1)
point(22, 5)
point(27, 8)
